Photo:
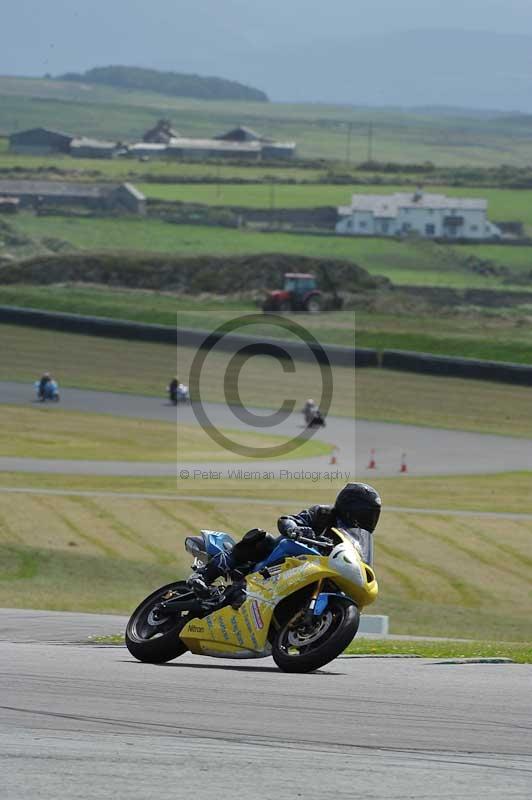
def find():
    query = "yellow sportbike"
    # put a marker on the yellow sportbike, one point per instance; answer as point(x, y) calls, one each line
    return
point(300, 605)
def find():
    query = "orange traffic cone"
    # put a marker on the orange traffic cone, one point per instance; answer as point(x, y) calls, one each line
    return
point(372, 463)
point(403, 467)
point(334, 459)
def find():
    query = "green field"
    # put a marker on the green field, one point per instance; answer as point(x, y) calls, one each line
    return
point(404, 263)
point(469, 333)
point(320, 131)
point(503, 204)
point(91, 362)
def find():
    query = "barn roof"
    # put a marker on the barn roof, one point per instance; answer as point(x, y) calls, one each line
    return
point(241, 134)
point(63, 189)
point(382, 205)
point(30, 131)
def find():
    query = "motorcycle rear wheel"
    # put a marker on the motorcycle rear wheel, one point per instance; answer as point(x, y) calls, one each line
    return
point(151, 640)
point(308, 648)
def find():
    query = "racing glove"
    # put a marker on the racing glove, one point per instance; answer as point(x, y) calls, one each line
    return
point(297, 532)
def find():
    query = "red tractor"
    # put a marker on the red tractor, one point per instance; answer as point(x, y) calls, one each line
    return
point(300, 293)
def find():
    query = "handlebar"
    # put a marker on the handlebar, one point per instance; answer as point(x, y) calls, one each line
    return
point(313, 542)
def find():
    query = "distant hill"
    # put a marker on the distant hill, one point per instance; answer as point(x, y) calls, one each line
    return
point(170, 83)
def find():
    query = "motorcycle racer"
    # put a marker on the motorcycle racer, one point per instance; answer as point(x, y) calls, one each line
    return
point(357, 506)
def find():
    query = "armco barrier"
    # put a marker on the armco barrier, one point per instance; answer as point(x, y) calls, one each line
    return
point(402, 360)
point(99, 326)
point(457, 367)
point(90, 326)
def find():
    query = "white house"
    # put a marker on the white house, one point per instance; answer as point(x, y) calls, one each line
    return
point(431, 216)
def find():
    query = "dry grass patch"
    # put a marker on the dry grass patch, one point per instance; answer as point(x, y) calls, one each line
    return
point(51, 432)
point(439, 576)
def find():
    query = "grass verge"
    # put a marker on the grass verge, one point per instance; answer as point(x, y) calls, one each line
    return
point(48, 431)
point(507, 493)
point(520, 653)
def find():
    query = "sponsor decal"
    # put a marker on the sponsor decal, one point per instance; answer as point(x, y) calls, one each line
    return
point(236, 631)
point(223, 628)
point(255, 611)
point(196, 629)
point(248, 625)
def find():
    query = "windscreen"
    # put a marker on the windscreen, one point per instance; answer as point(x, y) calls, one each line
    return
point(363, 541)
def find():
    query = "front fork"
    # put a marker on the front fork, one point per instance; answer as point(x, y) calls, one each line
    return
point(315, 595)
point(305, 616)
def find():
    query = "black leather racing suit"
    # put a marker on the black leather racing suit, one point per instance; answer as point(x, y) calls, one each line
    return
point(318, 518)
point(257, 544)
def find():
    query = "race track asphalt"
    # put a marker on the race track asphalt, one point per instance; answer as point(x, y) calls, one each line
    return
point(427, 451)
point(89, 722)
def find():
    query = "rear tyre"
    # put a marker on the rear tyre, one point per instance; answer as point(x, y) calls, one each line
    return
point(309, 647)
point(156, 640)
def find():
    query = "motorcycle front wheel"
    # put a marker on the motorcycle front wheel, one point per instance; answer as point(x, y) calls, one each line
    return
point(153, 638)
point(305, 647)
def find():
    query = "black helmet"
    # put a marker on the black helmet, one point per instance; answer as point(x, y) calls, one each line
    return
point(359, 505)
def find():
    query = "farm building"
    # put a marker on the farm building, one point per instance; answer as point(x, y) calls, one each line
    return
point(93, 148)
point(213, 148)
point(161, 133)
point(200, 149)
point(269, 147)
point(278, 150)
point(241, 134)
point(40, 141)
point(147, 150)
point(431, 216)
point(35, 194)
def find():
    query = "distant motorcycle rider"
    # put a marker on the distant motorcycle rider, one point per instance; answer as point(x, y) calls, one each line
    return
point(43, 383)
point(309, 409)
point(357, 506)
point(172, 389)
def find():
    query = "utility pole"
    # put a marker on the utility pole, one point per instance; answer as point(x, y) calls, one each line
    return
point(272, 203)
point(370, 142)
point(218, 180)
point(348, 143)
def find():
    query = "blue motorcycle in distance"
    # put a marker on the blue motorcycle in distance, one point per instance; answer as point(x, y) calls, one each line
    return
point(50, 391)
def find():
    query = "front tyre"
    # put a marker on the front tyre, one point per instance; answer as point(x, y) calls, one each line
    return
point(303, 647)
point(152, 638)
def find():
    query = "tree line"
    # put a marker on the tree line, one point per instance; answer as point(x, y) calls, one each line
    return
point(169, 83)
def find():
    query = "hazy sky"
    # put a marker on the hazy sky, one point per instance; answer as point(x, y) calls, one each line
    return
point(352, 51)
point(38, 36)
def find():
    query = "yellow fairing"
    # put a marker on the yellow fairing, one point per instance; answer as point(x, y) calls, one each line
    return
point(244, 632)
point(361, 584)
